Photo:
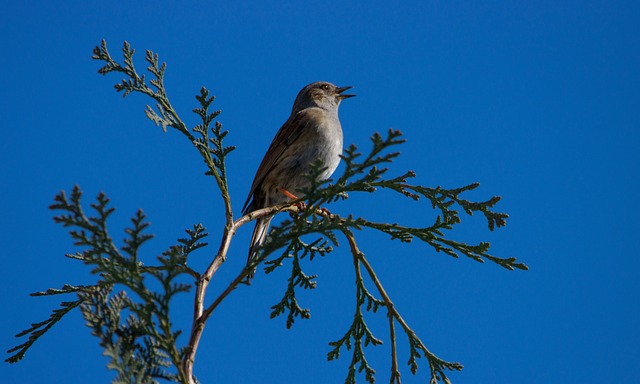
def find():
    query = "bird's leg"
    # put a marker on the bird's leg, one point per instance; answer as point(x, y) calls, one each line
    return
point(287, 193)
point(300, 204)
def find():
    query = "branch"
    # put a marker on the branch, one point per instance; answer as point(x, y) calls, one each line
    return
point(143, 345)
point(38, 329)
point(201, 315)
point(436, 364)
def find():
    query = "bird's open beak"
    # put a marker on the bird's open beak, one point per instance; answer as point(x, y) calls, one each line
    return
point(339, 91)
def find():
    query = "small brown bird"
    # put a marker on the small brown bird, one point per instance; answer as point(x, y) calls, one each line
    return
point(312, 132)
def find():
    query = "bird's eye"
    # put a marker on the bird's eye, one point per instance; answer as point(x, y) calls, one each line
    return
point(324, 86)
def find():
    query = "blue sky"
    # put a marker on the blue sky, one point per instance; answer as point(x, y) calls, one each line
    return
point(537, 101)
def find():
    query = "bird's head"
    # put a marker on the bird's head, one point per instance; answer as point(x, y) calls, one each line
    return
point(320, 94)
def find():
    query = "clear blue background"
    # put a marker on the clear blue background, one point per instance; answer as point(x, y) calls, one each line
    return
point(538, 101)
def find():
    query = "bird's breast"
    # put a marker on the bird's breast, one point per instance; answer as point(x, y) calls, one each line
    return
point(321, 140)
point(328, 147)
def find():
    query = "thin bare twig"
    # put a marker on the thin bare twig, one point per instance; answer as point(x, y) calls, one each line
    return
point(395, 372)
point(201, 315)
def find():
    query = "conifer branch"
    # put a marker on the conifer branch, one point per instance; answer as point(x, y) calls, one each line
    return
point(143, 342)
point(39, 329)
point(436, 364)
point(211, 149)
point(132, 320)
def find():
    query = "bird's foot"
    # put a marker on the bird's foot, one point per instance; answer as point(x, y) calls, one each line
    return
point(324, 212)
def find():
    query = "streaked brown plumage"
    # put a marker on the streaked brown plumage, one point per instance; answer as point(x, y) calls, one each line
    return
point(312, 132)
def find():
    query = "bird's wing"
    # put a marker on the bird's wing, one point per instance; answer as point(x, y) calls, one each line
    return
point(287, 135)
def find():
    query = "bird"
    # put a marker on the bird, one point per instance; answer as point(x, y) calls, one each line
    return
point(311, 132)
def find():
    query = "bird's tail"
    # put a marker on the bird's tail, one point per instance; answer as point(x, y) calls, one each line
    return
point(259, 236)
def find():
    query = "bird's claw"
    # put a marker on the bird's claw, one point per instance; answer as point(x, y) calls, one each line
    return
point(325, 212)
point(301, 205)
